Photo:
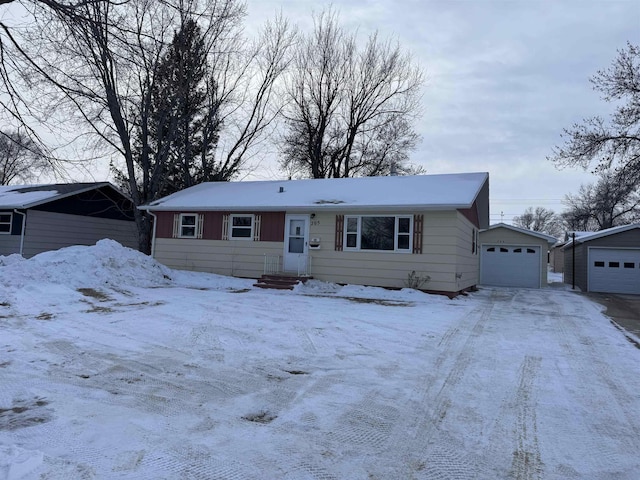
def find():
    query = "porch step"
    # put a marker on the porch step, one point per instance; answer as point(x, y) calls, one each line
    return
point(280, 282)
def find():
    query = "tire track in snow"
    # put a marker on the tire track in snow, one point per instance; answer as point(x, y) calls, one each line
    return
point(527, 461)
point(431, 454)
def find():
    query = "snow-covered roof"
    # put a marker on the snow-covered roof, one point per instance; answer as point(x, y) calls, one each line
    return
point(602, 233)
point(551, 240)
point(27, 196)
point(447, 191)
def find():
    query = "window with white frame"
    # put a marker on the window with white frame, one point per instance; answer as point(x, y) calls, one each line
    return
point(379, 233)
point(5, 222)
point(241, 227)
point(188, 225)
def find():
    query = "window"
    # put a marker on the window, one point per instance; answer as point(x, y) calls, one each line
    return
point(598, 264)
point(389, 233)
point(517, 250)
point(614, 264)
point(5, 223)
point(188, 225)
point(629, 265)
point(241, 227)
point(504, 250)
point(491, 249)
point(530, 250)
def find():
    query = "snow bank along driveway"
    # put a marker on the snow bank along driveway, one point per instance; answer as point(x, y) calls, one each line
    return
point(112, 366)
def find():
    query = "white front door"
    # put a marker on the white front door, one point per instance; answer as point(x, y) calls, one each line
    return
point(296, 244)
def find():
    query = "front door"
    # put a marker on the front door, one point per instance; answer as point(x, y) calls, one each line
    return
point(296, 244)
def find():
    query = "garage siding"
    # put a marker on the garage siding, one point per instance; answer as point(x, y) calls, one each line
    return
point(626, 239)
point(504, 236)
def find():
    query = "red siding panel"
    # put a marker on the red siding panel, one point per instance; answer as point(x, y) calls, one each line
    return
point(272, 228)
point(164, 224)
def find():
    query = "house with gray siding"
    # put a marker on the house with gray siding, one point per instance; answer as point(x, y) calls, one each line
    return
point(38, 218)
point(607, 261)
point(378, 231)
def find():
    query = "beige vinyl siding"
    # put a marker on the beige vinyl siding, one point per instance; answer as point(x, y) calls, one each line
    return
point(388, 269)
point(504, 236)
point(9, 244)
point(468, 258)
point(238, 258)
point(51, 231)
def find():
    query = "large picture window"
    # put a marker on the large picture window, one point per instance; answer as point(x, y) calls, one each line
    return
point(388, 233)
point(5, 222)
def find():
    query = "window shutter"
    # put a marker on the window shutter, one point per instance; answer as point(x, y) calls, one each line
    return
point(417, 233)
point(473, 240)
point(339, 232)
point(200, 225)
point(176, 225)
point(257, 221)
point(225, 227)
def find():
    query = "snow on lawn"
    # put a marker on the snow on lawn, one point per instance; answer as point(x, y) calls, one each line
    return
point(113, 366)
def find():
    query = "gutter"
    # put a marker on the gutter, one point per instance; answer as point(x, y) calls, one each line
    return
point(24, 226)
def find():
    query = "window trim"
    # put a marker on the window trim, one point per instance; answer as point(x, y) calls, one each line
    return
point(9, 223)
point(181, 225)
point(251, 227)
point(396, 233)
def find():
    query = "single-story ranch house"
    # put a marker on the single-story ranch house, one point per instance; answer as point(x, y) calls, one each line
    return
point(605, 261)
point(514, 257)
point(37, 218)
point(368, 231)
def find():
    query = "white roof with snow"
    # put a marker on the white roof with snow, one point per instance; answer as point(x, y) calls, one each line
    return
point(12, 197)
point(447, 191)
point(550, 239)
point(602, 233)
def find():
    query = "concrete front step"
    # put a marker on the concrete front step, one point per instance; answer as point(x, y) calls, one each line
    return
point(281, 282)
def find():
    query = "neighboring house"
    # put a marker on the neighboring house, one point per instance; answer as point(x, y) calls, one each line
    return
point(37, 218)
point(606, 261)
point(368, 231)
point(514, 257)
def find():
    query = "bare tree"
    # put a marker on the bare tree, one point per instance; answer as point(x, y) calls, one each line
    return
point(21, 160)
point(613, 200)
point(100, 61)
point(540, 220)
point(614, 144)
point(349, 109)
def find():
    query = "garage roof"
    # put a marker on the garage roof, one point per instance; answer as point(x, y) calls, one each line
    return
point(28, 196)
point(550, 240)
point(602, 233)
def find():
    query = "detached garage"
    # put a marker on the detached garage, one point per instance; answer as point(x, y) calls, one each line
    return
point(513, 257)
point(607, 261)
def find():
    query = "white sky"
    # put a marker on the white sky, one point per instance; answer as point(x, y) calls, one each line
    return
point(503, 79)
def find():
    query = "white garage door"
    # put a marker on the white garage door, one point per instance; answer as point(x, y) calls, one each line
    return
point(510, 266)
point(614, 270)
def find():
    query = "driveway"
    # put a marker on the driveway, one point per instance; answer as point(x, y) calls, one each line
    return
point(623, 309)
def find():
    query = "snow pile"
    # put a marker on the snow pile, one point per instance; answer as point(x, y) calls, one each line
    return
point(107, 263)
point(16, 463)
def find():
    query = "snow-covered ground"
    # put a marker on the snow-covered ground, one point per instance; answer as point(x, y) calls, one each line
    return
point(112, 366)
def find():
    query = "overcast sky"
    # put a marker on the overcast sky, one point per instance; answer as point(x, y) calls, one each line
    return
point(503, 79)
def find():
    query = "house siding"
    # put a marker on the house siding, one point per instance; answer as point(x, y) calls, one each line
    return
point(9, 244)
point(628, 239)
point(271, 225)
point(51, 231)
point(468, 261)
point(389, 269)
point(504, 236)
point(236, 258)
